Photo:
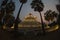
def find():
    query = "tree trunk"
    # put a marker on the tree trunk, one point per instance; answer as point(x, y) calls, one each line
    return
point(43, 30)
point(17, 18)
point(19, 11)
point(16, 23)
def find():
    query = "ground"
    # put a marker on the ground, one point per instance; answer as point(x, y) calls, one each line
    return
point(5, 35)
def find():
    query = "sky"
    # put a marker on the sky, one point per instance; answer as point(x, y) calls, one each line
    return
point(26, 9)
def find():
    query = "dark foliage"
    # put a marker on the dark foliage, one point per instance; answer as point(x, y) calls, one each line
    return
point(37, 5)
point(6, 13)
point(50, 15)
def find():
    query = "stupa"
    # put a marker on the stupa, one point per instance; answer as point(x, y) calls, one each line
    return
point(29, 21)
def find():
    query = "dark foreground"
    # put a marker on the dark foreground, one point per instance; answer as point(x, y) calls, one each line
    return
point(5, 35)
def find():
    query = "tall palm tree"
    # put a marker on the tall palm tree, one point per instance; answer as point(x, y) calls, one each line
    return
point(17, 18)
point(23, 2)
point(38, 6)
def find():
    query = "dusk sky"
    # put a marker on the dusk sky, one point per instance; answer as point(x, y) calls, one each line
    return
point(26, 9)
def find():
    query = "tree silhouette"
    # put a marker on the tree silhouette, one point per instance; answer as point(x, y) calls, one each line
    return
point(58, 9)
point(10, 7)
point(38, 6)
point(7, 9)
point(1, 14)
point(50, 15)
point(17, 18)
point(47, 15)
point(2, 11)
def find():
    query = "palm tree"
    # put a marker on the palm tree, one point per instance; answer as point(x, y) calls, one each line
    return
point(47, 15)
point(50, 16)
point(17, 18)
point(23, 2)
point(38, 6)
